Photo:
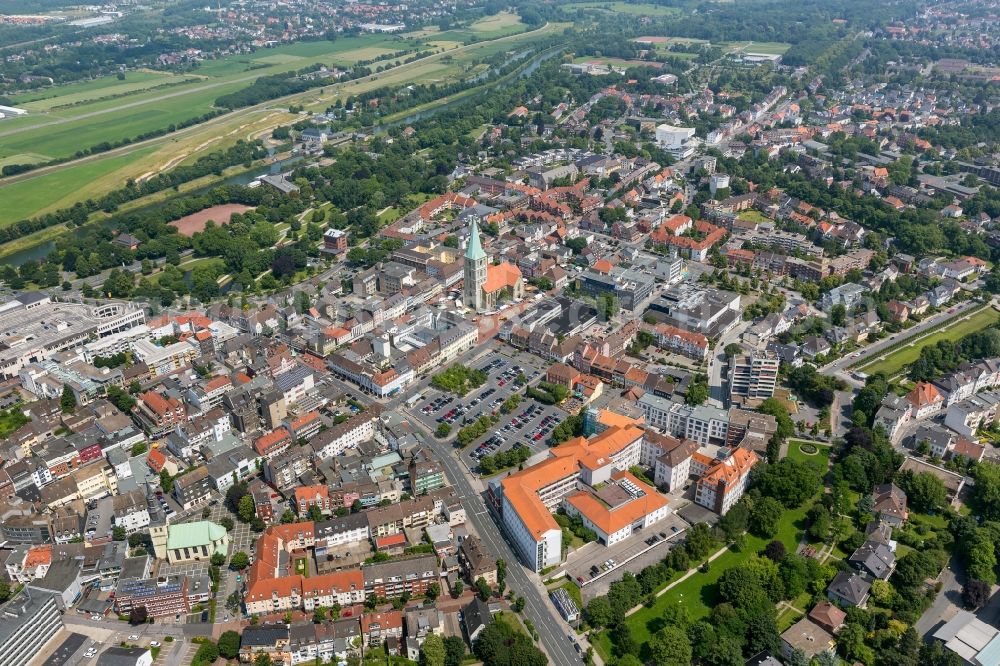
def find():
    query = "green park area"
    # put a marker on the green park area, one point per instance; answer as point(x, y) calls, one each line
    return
point(810, 452)
point(956, 329)
point(699, 593)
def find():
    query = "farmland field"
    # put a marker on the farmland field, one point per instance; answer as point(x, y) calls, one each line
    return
point(898, 360)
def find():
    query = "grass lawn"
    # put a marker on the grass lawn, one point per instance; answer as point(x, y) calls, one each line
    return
point(46, 98)
point(29, 197)
point(821, 457)
point(956, 329)
point(786, 618)
point(498, 25)
point(699, 592)
point(11, 420)
point(302, 567)
point(753, 216)
point(510, 620)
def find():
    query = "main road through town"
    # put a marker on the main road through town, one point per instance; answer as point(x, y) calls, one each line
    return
point(874, 351)
point(553, 631)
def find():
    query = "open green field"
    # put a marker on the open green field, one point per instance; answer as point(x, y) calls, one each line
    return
point(636, 9)
point(959, 327)
point(29, 197)
point(42, 192)
point(488, 27)
point(73, 93)
point(498, 25)
point(56, 131)
point(699, 593)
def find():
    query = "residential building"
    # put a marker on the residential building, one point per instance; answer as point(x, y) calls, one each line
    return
point(28, 622)
point(925, 400)
point(476, 561)
point(723, 483)
point(391, 579)
point(874, 559)
point(889, 504)
point(754, 375)
point(672, 468)
point(421, 623)
point(849, 589)
point(193, 488)
point(808, 637)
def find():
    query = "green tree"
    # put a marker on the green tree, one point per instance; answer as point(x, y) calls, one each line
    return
point(764, 517)
point(229, 644)
point(986, 492)
point(838, 314)
point(217, 559)
point(432, 652)
point(598, 612)
point(239, 561)
point(925, 492)
point(67, 402)
point(247, 509)
point(207, 653)
point(166, 481)
point(118, 533)
point(454, 651)
point(670, 647)
point(483, 589)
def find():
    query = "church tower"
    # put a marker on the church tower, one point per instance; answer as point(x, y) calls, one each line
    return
point(475, 270)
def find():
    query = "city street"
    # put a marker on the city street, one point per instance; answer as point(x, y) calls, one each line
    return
point(873, 351)
point(537, 607)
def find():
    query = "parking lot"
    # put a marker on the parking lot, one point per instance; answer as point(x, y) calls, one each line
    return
point(523, 426)
point(595, 566)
